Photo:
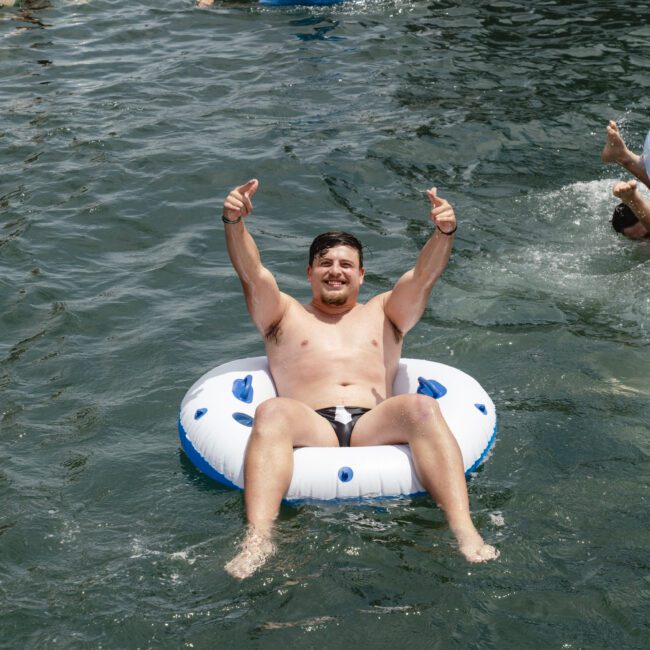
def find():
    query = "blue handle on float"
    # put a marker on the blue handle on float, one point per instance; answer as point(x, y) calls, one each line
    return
point(431, 387)
point(345, 474)
point(243, 418)
point(242, 389)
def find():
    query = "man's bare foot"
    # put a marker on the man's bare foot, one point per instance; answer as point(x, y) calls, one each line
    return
point(473, 548)
point(483, 553)
point(254, 552)
point(615, 149)
point(625, 190)
point(204, 3)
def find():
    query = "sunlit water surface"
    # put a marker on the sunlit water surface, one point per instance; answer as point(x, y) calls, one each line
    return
point(123, 126)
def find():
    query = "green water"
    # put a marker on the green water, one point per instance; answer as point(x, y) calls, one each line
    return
point(124, 125)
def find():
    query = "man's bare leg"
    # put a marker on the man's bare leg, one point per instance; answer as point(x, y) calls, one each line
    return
point(417, 420)
point(280, 425)
point(616, 151)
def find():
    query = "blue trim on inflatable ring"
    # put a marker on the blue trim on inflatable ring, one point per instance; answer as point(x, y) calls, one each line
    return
point(486, 451)
point(199, 462)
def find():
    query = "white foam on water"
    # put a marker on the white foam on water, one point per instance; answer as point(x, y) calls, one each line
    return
point(559, 250)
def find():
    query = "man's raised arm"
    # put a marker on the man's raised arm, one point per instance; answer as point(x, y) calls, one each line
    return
point(266, 303)
point(405, 304)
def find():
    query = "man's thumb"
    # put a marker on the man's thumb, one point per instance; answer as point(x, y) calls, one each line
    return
point(250, 187)
point(433, 195)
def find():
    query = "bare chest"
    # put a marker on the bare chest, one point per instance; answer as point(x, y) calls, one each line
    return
point(364, 329)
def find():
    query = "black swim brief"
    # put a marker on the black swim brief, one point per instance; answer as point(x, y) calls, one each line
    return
point(342, 419)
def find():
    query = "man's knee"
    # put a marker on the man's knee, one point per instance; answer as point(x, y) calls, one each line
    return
point(420, 407)
point(422, 413)
point(272, 416)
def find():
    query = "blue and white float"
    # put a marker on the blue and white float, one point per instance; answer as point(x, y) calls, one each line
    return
point(646, 153)
point(217, 414)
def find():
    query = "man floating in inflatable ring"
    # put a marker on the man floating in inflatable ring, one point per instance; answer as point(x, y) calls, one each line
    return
point(333, 361)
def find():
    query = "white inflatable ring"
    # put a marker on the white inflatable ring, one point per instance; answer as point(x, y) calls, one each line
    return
point(217, 414)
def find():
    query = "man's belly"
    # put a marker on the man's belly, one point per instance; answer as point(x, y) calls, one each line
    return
point(319, 396)
point(356, 379)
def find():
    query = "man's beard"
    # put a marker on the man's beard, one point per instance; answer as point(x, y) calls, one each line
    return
point(338, 298)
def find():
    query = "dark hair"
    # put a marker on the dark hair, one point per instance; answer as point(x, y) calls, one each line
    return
point(623, 217)
point(327, 240)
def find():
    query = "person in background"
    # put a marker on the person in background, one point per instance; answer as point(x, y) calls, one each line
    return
point(631, 217)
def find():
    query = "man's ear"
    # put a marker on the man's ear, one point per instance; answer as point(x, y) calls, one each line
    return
point(309, 271)
point(363, 273)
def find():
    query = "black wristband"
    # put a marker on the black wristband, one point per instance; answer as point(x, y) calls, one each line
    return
point(451, 232)
point(229, 221)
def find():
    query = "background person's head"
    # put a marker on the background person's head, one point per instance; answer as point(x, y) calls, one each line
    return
point(625, 222)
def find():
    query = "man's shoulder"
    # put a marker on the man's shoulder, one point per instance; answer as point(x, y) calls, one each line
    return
point(379, 300)
point(375, 307)
point(294, 309)
point(375, 303)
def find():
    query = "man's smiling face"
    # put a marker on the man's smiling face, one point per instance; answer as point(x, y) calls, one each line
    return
point(335, 276)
